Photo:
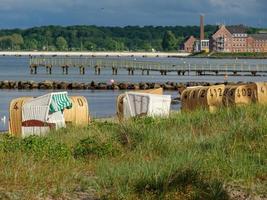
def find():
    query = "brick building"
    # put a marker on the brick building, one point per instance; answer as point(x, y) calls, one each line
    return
point(188, 45)
point(236, 39)
point(192, 44)
point(257, 42)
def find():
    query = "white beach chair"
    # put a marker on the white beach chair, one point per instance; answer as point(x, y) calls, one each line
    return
point(44, 113)
point(138, 104)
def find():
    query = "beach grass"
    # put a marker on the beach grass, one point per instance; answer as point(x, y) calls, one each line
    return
point(251, 55)
point(241, 54)
point(196, 155)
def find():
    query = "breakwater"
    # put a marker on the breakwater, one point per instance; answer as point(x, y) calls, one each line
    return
point(62, 85)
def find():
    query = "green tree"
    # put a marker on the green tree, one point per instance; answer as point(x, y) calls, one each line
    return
point(61, 43)
point(179, 41)
point(88, 45)
point(120, 46)
point(17, 41)
point(169, 41)
point(30, 44)
point(147, 46)
point(132, 38)
point(6, 43)
point(110, 44)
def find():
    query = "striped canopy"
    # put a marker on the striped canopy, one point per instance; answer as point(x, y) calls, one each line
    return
point(59, 102)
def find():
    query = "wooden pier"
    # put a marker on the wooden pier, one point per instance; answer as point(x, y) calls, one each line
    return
point(144, 67)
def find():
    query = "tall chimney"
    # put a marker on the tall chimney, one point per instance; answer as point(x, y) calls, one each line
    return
point(202, 34)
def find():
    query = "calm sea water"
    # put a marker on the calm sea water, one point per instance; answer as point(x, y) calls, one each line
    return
point(101, 103)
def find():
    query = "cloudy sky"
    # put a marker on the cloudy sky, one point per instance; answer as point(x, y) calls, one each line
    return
point(28, 13)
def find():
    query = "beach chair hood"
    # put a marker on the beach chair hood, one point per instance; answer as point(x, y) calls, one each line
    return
point(59, 101)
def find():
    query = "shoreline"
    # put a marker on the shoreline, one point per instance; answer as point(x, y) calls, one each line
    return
point(93, 53)
point(128, 54)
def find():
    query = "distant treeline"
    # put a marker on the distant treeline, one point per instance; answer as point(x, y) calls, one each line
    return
point(94, 38)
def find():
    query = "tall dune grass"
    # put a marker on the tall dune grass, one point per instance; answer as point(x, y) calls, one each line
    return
point(187, 156)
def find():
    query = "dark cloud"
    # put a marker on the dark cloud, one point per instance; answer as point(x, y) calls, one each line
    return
point(27, 13)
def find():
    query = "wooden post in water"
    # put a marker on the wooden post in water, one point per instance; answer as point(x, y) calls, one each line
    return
point(63, 69)
point(82, 70)
point(31, 69)
point(198, 73)
point(67, 69)
point(114, 71)
point(163, 72)
point(35, 69)
point(46, 69)
point(97, 70)
point(254, 73)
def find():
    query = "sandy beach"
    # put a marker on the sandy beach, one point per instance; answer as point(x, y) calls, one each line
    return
point(90, 53)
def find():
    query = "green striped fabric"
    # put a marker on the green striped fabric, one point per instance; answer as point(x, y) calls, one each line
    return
point(60, 102)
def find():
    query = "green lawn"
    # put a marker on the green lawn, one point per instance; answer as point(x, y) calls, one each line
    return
point(241, 55)
point(188, 156)
point(231, 55)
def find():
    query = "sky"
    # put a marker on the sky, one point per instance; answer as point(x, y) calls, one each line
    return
point(29, 13)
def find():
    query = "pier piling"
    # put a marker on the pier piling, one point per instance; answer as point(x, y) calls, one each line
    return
point(48, 69)
point(34, 69)
point(114, 71)
point(97, 70)
point(82, 70)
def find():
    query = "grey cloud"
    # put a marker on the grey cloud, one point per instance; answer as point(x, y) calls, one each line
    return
point(25, 13)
